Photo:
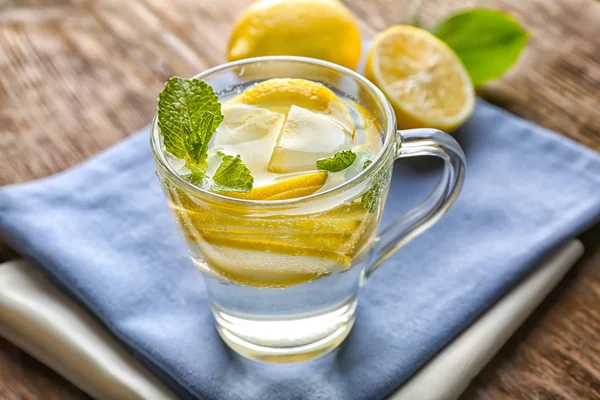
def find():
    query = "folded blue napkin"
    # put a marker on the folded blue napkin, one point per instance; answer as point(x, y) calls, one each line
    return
point(102, 231)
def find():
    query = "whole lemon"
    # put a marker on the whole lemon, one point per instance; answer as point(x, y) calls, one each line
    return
point(322, 29)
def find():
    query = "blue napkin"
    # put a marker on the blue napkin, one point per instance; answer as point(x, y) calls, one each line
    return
point(102, 231)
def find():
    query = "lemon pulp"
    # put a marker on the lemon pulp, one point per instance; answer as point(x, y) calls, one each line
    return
point(422, 77)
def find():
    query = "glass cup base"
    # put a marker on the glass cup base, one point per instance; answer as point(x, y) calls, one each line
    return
point(289, 340)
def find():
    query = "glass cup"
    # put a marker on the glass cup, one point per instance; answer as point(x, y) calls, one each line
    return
point(283, 276)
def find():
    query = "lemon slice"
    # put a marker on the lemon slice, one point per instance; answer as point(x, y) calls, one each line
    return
point(206, 222)
point(275, 251)
point(264, 262)
point(258, 268)
point(322, 29)
point(300, 186)
point(279, 94)
point(422, 77)
point(331, 241)
point(278, 247)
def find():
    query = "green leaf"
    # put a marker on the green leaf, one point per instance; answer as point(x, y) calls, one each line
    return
point(233, 176)
point(488, 42)
point(339, 162)
point(197, 139)
point(189, 113)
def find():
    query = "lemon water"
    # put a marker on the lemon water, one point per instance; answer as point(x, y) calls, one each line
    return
point(283, 284)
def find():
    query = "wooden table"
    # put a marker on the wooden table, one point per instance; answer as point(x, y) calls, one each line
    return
point(78, 76)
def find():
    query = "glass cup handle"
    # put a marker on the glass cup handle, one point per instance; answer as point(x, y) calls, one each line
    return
point(414, 143)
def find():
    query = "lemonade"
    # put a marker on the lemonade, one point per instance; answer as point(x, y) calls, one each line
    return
point(282, 130)
point(277, 187)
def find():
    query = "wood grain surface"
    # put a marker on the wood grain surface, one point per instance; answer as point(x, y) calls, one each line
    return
point(76, 76)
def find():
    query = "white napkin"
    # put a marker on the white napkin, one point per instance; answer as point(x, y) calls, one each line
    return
point(53, 328)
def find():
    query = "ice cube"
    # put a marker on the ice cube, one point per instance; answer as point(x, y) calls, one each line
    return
point(243, 123)
point(307, 136)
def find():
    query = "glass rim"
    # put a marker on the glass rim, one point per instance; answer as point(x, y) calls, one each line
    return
point(390, 129)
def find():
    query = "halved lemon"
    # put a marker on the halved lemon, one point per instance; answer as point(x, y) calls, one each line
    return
point(422, 77)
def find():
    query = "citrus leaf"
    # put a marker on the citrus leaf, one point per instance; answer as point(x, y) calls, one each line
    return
point(488, 42)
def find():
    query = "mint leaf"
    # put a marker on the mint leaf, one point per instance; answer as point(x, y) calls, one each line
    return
point(233, 176)
point(188, 115)
point(197, 139)
point(339, 162)
point(488, 42)
point(367, 163)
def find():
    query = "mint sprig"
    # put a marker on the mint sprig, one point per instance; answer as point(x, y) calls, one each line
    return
point(189, 113)
point(233, 176)
point(339, 162)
